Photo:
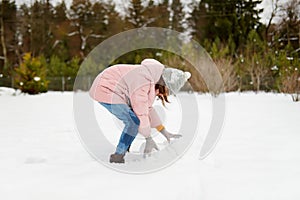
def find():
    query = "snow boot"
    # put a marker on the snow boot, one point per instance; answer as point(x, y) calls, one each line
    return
point(117, 158)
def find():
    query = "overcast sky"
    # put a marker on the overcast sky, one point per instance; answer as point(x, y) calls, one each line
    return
point(266, 4)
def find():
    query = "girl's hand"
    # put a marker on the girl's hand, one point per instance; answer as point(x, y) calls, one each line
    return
point(168, 135)
point(150, 145)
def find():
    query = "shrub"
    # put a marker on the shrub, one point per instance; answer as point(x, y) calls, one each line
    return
point(31, 75)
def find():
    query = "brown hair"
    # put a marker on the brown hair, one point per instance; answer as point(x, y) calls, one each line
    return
point(163, 93)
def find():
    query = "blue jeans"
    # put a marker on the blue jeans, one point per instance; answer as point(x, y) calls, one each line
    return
point(124, 113)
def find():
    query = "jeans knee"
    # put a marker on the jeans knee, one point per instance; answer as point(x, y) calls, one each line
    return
point(131, 128)
point(134, 118)
point(137, 121)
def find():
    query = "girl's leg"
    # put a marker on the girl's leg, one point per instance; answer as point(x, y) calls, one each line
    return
point(124, 113)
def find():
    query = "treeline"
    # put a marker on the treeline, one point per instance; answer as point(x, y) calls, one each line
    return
point(41, 40)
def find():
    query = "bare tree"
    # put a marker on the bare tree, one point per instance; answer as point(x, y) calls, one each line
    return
point(258, 71)
point(229, 74)
point(289, 24)
point(275, 8)
point(291, 84)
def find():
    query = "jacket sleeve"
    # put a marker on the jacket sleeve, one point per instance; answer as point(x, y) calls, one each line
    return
point(139, 103)
point(155, 121)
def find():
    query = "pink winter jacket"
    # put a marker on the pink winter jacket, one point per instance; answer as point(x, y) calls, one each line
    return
point(132, 85)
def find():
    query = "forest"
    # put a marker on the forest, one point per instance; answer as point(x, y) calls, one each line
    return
point(43, 44)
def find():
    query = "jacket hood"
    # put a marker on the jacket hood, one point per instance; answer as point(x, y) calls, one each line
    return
point(155, 68)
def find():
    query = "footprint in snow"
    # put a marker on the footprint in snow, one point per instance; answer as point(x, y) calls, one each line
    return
point(35, 160)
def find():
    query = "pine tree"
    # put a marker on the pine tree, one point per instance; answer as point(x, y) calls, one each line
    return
point(31, 75)
point(158, 14)
point(41, 14)
point(60, 29)
point(198, 21)
point(136, 17)
point(226, 19)
point(115, 23)
point(83, 27)
point(177, 17)
point(24, 19)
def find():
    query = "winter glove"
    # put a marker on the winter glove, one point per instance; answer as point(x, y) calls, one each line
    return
point(150, 145)
point(168, 135)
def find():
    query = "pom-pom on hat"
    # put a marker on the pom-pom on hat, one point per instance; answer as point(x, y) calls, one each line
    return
point(174, 79)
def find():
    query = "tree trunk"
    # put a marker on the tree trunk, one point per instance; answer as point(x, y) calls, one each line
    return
point(273, 14)
point(4, 50)
point(258, 83)
point(299, 36)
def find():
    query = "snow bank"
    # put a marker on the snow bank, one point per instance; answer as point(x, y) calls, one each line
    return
point(7, 91)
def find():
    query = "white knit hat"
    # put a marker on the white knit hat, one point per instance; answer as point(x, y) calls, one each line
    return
point(175, 79)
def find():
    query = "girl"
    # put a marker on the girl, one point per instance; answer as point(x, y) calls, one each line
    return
point(128, 92)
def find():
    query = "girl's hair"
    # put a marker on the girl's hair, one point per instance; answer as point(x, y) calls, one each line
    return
point(162, 93)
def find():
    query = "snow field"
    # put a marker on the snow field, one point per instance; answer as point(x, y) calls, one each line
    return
point(257, 157)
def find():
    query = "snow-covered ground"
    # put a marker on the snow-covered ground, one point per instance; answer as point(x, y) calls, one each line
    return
point(257, 157)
